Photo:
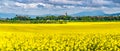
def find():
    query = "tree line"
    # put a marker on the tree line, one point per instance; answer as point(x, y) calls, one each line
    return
point(62, 19)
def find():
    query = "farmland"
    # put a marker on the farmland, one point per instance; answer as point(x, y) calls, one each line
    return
point(73, 36)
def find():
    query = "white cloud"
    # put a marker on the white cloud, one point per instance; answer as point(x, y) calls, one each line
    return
point(6, 4)
point(31, 5)
point(66, 1)
point(65, 6)
point(49, 6)
point(20, 4)
point(57, 6)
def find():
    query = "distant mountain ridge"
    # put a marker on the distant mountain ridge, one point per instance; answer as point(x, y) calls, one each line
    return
point(94, 13)
point(89, 13)
point(50, 14)
point(84, 13)
point(2, 15)
point(114, 14)
point(10, 15)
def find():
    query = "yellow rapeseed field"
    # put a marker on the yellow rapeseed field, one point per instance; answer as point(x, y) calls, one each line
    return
point(73, 36)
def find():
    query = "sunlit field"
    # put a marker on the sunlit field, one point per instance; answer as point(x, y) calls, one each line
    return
point(73, 36)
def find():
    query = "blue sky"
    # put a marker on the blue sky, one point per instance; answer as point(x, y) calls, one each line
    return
point(41, 7)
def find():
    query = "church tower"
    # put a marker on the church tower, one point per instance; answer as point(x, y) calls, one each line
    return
point(66, 14)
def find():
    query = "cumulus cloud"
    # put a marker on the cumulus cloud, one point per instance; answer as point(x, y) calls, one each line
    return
point(31, 5)
point(59, 6)
point(115, 1)
point(66, 3)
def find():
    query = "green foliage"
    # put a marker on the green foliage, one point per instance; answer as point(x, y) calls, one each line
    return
point(62, 19)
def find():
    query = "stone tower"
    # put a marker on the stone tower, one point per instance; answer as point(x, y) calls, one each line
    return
point(66, 14)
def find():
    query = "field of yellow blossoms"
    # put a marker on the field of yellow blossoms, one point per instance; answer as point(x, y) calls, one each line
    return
point(79, 36)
